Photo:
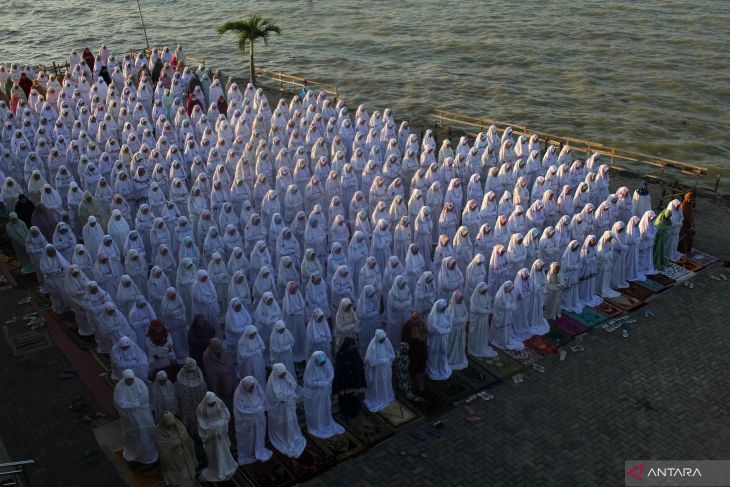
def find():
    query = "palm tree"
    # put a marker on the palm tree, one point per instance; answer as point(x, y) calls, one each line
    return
point(255, 27)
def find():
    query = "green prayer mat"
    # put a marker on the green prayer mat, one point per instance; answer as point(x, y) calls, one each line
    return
point(475, 376)
point(652, 285)
point(558, 337)
point(502, 366)
point(367, 427)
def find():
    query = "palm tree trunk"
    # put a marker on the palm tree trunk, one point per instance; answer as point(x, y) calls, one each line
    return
point(251, 68)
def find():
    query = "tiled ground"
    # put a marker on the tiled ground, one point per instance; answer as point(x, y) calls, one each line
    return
point(659, 394)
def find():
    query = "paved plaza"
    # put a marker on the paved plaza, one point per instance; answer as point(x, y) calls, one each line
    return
point(659, 394)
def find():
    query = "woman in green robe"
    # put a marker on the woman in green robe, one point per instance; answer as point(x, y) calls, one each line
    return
point(17, 232)
point(663, 225)
point(90, 206)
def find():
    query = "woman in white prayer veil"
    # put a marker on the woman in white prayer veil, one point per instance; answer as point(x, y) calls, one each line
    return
point(157, 285)
point(53, 267)
point(205, 301)
point(450, 278)
point(248, 409)
point(647, 232)
point(570, 266)
point(250, 354)
point(440, 323)
point(127, 355)
point(423, 227)
point(294, 312)
point(425, 293)
point(237, 319)
point(620, 252)
point(523, 300)
point(64, 240)
point(633, 240)
point(503, 320)
point(378, 372)
point(310, 265)
point(393, 269)
point(213, 417)
point(476, 272)
point(281, 343)
point(398, 308)
point(457, 337)
point(587, 289)
point(538, 287)
point(357, 252)
point(318, 376)
point(132, 401)
point(281, 401)
point(267, 314)
point(415, 265)
point(479, 330)
point(605, 266)
point(172, 314)
point(347, 323)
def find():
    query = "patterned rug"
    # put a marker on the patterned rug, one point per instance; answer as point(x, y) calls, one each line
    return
point(589, 317)
point(367, 427)
point(398, 414)
point(637, 291)
point(557, 337)
point(569, 324)
point(690, 265)
point(700, 258)
point(626, 303)
point(340, 447)
point(677, 272)
point(475, 376)
point(526, 356)
point(547, 344)
point(652, 285)
point(502, 366)
point(609, 309)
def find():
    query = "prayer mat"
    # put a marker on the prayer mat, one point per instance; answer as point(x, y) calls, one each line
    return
point(264, 474)
point(700, 258)
point(475, 376)
point(638, 292)
point(452, 388)
point(435, 402)
point(690, 265)
point(525, 356)
point(589, 317)
point(367, 427)
point(311, 462)
point(542, 345)
point(662, 279)
point(610, 310)
point(652, 285)
point(398, 414)
point(340, 447)
point(677, 272)
point(626, 302)
point(137, 474)
point(569, 324)
point(502, 366)
point(80, 342)
point(557, 337)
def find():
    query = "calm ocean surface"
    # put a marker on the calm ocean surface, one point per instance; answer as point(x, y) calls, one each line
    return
point(650, 76)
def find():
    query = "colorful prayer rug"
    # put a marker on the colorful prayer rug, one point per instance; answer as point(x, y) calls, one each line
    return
point(626, 302)
point(677, 272)
point(700, 258)
point(340, 447)
point(525, 356)
point(546, 344)
point(638, 292)
point(502, 366)
point(398, 414)
point(475, 376)
point(690, 265)
point(569, 324)
point(609, 309)
point(662, 279)
point(369, 428)
point(589, 317)
point(652, 285)
point(557, 337)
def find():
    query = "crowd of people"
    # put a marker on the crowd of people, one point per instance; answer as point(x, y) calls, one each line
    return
point(189, 225)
